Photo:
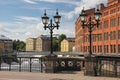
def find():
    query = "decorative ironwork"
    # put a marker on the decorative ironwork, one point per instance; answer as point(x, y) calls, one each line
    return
point(108, 66)
point(70, 63)
point(36, 64)
point(62, 63)
point(78, 63)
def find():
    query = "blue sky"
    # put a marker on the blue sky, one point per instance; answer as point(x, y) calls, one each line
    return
point(20, 19)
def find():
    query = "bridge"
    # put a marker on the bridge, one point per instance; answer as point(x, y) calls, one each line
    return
point(97, 65)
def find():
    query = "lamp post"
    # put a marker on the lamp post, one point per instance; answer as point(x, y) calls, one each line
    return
point(90, 24)
point(51, 25)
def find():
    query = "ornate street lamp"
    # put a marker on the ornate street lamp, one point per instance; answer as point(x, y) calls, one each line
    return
point(90, 24)
point(51, 25)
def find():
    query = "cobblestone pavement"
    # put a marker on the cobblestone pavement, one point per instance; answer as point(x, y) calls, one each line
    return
point(4, 75)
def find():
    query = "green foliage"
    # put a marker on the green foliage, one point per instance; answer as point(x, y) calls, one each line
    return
point(19, 45)
point(61, 37)
point(55, 44)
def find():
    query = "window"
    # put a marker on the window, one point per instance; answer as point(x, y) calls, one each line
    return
point(99, 49)
point(88, 48)
point(94, 49)
point(93, 37)
point(119, 48)
point(99, 37)
point(114, 35)
point(111, 33)
point(112, 22)
point(119, 34)
point(100, 26)
point(112, 11)
point(86, 38)
point(106, 36)
point(106, 49)
point(119, 21)
point(111, 50)
point(85, 48)
point(114, 48)
point(106, 13)
point(119, 9)
point(106, 24)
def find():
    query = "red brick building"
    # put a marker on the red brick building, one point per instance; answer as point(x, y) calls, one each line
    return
point(105, 38)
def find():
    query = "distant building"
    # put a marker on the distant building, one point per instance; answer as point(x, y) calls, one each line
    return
point(6, 44)
point(67, 44)
point(41, 43)
point(105, 38)
point(30, 44)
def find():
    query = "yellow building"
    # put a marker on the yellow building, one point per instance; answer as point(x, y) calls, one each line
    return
point(43, 43)
point(67, 44)
point(30, 44)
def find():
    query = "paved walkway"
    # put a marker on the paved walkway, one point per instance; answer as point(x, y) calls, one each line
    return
point(4, 75)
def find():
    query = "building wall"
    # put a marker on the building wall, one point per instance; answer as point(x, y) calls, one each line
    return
point(105, 38)
point(42, 44)
point(46, 45)
point(6, 46)
point(39, 44)
point(112, 2)
point(1, 47)
point(30, 44)
point(67, 46)
point(71, 45)
point(64, 46)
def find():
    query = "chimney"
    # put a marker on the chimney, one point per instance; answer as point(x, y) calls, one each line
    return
point(102, 6)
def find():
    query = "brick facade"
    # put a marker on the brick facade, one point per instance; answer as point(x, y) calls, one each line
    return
point(105, 38)
point(6, 45)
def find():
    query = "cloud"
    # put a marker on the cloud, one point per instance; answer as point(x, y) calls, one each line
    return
point(86, 4)
point(27, 26)
point(28, 33)
point(30, 1)
point(2, 30)
point(26, 18)
point(22, 31)
point(74, 2)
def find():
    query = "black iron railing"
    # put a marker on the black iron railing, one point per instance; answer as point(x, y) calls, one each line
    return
point(108, 66)
point(29, 64)
point(38, 64)
point(69, 64)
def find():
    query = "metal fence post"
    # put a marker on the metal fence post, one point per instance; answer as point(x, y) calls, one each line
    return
point(115, 68)
point(20, 64)
point(0, 62)
point(41, 67)
point(30, 64)
point(10, 67)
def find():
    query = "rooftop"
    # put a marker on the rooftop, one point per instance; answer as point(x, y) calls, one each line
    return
point(2, 37)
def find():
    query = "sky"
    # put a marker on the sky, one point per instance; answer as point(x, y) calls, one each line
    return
point(21, 19)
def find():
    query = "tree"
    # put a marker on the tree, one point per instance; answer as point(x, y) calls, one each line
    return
point(60, 38)
point(19, 45)
point(55, 45)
